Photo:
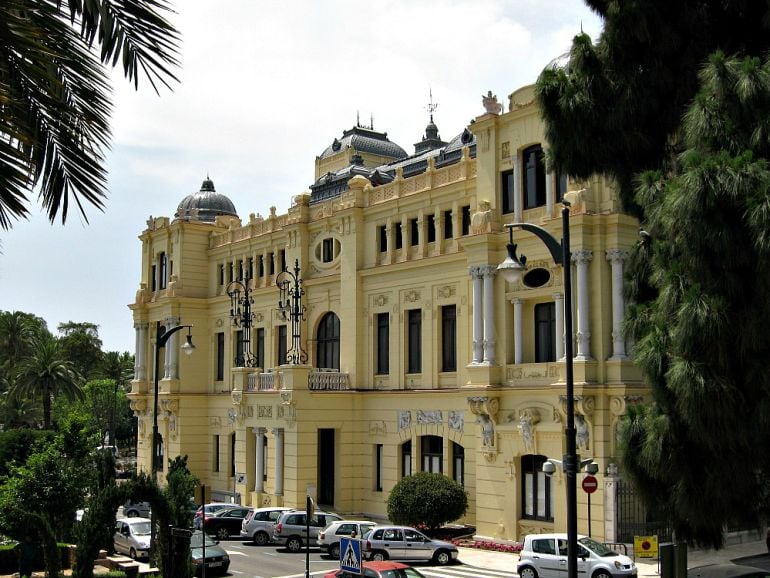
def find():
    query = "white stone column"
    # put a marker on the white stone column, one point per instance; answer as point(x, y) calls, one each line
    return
point(517, 159)
point(478, 319)
point(489, 313)
point(549, 189)
point(558, 299)
point(140, 354)
point(518, 336)
point(278, 433)
point(616, 257)
point(582, 258)
point(259, 470)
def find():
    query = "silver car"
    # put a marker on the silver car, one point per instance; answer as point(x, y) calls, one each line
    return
point(405, 543)
point(132, 537)
point(258, 524)
point(329, 538)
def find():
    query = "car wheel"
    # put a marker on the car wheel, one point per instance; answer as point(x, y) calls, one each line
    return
point(294, 544)
point(602, 574)
point(132, 554)
point(334, 551)
point(223, 534)
point(442, 558)
point(527, 572)
point(379, 556)
point(261, 538)
point(132, 513)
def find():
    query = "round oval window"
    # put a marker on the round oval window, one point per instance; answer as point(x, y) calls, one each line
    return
point(537, 277)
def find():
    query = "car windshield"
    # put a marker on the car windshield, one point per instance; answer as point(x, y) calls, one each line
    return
point(401, 573)
point(196, 540)
point(141, 529)
point(597, 547)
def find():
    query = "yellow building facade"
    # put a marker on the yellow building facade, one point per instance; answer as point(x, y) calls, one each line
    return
point(414, 354)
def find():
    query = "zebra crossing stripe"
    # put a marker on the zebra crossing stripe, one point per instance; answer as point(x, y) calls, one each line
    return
point(463, 572)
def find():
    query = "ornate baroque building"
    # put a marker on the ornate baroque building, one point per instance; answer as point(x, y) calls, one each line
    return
point(413, 353)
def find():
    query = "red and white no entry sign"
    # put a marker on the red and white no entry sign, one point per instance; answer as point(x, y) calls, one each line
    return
point(590, 484)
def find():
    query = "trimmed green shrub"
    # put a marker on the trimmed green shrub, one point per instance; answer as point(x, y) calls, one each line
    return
point(426, 500)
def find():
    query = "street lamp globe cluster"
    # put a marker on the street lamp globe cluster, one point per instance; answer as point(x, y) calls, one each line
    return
point(512, 269)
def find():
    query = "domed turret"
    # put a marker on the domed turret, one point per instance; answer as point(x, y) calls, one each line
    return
point(205, 205)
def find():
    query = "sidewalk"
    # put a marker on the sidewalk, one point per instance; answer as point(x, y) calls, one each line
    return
point(733, 553)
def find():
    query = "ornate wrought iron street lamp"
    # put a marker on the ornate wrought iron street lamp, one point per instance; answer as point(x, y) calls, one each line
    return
point(242, 316)
point(512, 270)
point(290, 307)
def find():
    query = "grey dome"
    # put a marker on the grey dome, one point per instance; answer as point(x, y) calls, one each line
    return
point(365, 140)
point(205, 205)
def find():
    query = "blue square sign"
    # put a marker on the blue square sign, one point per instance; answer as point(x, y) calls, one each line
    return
point(350, 555)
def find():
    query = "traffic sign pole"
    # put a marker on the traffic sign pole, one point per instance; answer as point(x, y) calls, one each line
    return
point(589, 487)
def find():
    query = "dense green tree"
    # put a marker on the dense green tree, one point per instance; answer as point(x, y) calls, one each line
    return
point(689, 146)
point(54, 122)
point(80, 344)
point(179, 490)
point(426, 499)
point(46, 373)
point(16, 445)
point(119, 367)
point(17, 331)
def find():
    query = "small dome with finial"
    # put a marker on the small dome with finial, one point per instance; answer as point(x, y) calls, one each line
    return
point(205, 205)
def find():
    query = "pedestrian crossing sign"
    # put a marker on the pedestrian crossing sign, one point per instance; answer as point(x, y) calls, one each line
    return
point(350, 555)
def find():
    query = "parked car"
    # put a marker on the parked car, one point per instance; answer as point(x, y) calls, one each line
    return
point(329, 537)
point(386, 569)
point(290, 529)
point(217, 560)
point(225, 522)
point(545, 556)
point(258, 524)
point(208, 509)
point(727, 571)
point(132, 537)
point(404, 543)
point(133, 509)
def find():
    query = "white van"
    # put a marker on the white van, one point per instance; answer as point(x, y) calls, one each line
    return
point(545, 556)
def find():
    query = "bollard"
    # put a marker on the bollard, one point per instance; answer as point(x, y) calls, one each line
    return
point(666, 560)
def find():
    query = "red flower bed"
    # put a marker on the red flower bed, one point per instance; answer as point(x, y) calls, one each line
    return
point(513, 548)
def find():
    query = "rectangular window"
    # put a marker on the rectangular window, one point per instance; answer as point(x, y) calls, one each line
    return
point(251, 267)
point(545, 332)
point(448, 232)
point(261, 265)
point(282, 345)
point(431, 228)
point(264, 458)
point(458, 463)
point(536, 489)
point(466, 224)
point(239, 269)
point(220, 376)
point(216, 456)
point(221, 274)
point(238, 356)
point(383, 343)
point(153, 282)
point(406, 458)
point(282, 259)
point(449, 338)
point(259, 336)
point(378, 468)
point(414, 340)
point(414, 232)
point(327, 250)
point(230, 271)
point(270, 264)
point(382, 235)
point(399, 236)
point(507, 191)
point(534, 177)
point(163, 275)
point(432, 451)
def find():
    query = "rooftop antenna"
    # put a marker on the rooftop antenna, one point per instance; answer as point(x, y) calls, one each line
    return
point(358, 118)
point(431, 105)
point(371, 120)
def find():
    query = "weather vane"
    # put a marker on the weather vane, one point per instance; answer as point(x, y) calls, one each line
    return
point(431, 105)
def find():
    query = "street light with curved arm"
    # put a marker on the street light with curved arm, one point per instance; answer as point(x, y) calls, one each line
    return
point(242, 316)
point(512, 270)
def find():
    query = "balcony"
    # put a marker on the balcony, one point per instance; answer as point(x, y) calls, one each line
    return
point(318, 380)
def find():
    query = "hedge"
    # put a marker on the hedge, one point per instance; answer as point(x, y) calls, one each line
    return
point(9, 560)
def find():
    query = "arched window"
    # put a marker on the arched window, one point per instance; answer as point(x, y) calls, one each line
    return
point(328, 342)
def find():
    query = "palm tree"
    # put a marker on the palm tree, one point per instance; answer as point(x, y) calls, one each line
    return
point(118, 367)
point(17, 331)
point(46, 373)
point(54, 90)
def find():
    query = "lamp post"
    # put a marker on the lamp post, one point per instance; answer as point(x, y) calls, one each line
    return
point(512, 270)
point(162, 335)
point(290, 306)
point(241, 314)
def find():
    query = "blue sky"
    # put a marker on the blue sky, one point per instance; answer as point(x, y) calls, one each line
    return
point(265, 87)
